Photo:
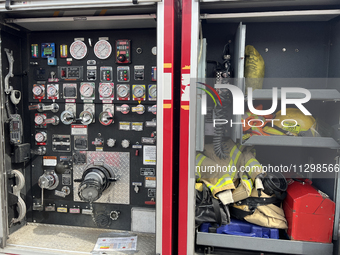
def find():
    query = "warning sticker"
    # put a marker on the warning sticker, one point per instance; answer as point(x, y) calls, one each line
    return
point(78, 130)
point(49, 161)
point(149, 155)
point(150, 182)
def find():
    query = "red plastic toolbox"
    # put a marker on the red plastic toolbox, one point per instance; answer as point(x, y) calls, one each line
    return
point(309, 212)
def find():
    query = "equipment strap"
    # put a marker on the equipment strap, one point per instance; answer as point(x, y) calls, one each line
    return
point(238, 213)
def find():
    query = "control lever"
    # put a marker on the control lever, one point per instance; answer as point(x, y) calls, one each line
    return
point(40, 151)
point(42, 107)
point(54, 120)
point(15, 94)
point(86, 117)
point(67, 117)
point(105, 118)
point(125, 109)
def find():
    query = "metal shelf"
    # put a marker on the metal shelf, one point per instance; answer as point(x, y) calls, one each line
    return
point(317, 94)
point(316, 142)
point(263, 245)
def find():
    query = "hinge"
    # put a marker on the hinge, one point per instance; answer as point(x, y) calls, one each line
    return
point(8, 5)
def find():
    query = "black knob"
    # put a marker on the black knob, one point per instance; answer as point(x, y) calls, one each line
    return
point(121, 58)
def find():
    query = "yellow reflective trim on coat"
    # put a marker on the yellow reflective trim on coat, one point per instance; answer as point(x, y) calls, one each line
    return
point(252, 164)
point(218, 184)
point(237, 156)
point(251, 161)
point(201, 160)
point(226, 176)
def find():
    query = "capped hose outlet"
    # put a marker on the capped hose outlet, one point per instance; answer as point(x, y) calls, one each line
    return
point(95, 180)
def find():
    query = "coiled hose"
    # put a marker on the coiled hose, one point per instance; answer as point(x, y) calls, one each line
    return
point(221, 112)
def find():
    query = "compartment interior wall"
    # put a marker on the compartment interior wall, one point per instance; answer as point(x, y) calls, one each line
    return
point(14, 41)
point(306, 44)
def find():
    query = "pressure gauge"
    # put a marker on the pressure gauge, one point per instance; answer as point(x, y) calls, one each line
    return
point(52, 91)
point(40, 137)
point(78, 49)
point(138, 91)
point(153, 91)
point(102, 49)
point(123, 91)
point(86, 90)
point(105, 90)
point(39, 119)
point(38, 90)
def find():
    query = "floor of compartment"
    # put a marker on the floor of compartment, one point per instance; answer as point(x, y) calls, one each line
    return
point(56, 239)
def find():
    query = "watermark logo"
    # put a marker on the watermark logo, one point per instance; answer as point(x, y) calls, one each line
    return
point(239, 99)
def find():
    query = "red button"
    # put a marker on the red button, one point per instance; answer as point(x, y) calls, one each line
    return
point(68, 62)
point(107, 79)
point(125, 79)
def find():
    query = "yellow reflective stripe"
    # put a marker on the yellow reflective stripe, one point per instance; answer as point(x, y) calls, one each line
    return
point(249, 184)
point(231, 168)
point(232, 158)
point(201, 160)
point(237, 156)
point(252, 164)
point(226, 176)
point(251, 161)
point(199, 175)
point(232, 151)
point(224, 181)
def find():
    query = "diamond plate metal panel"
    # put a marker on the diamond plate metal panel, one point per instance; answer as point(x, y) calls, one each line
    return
point(57, 239)
point(119, 192)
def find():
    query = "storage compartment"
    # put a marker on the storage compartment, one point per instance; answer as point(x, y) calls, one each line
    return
point(81, 103)
point(300, 50)
point(295, 54)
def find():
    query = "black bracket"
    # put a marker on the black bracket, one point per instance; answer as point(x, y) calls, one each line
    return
point(8, 5)
point(135, 1)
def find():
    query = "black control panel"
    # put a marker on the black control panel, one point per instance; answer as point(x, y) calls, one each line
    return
point(92, 125)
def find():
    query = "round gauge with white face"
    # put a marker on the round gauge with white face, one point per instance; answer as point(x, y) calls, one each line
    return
point(52, 91)
point(123, 91)
point(40, 137)
point(102, 49)
point(78, 49)
point(86, 90)
point(105, 90)
point(153, 91)
point(39, 119)
point(38, 90)
point(139, 91)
